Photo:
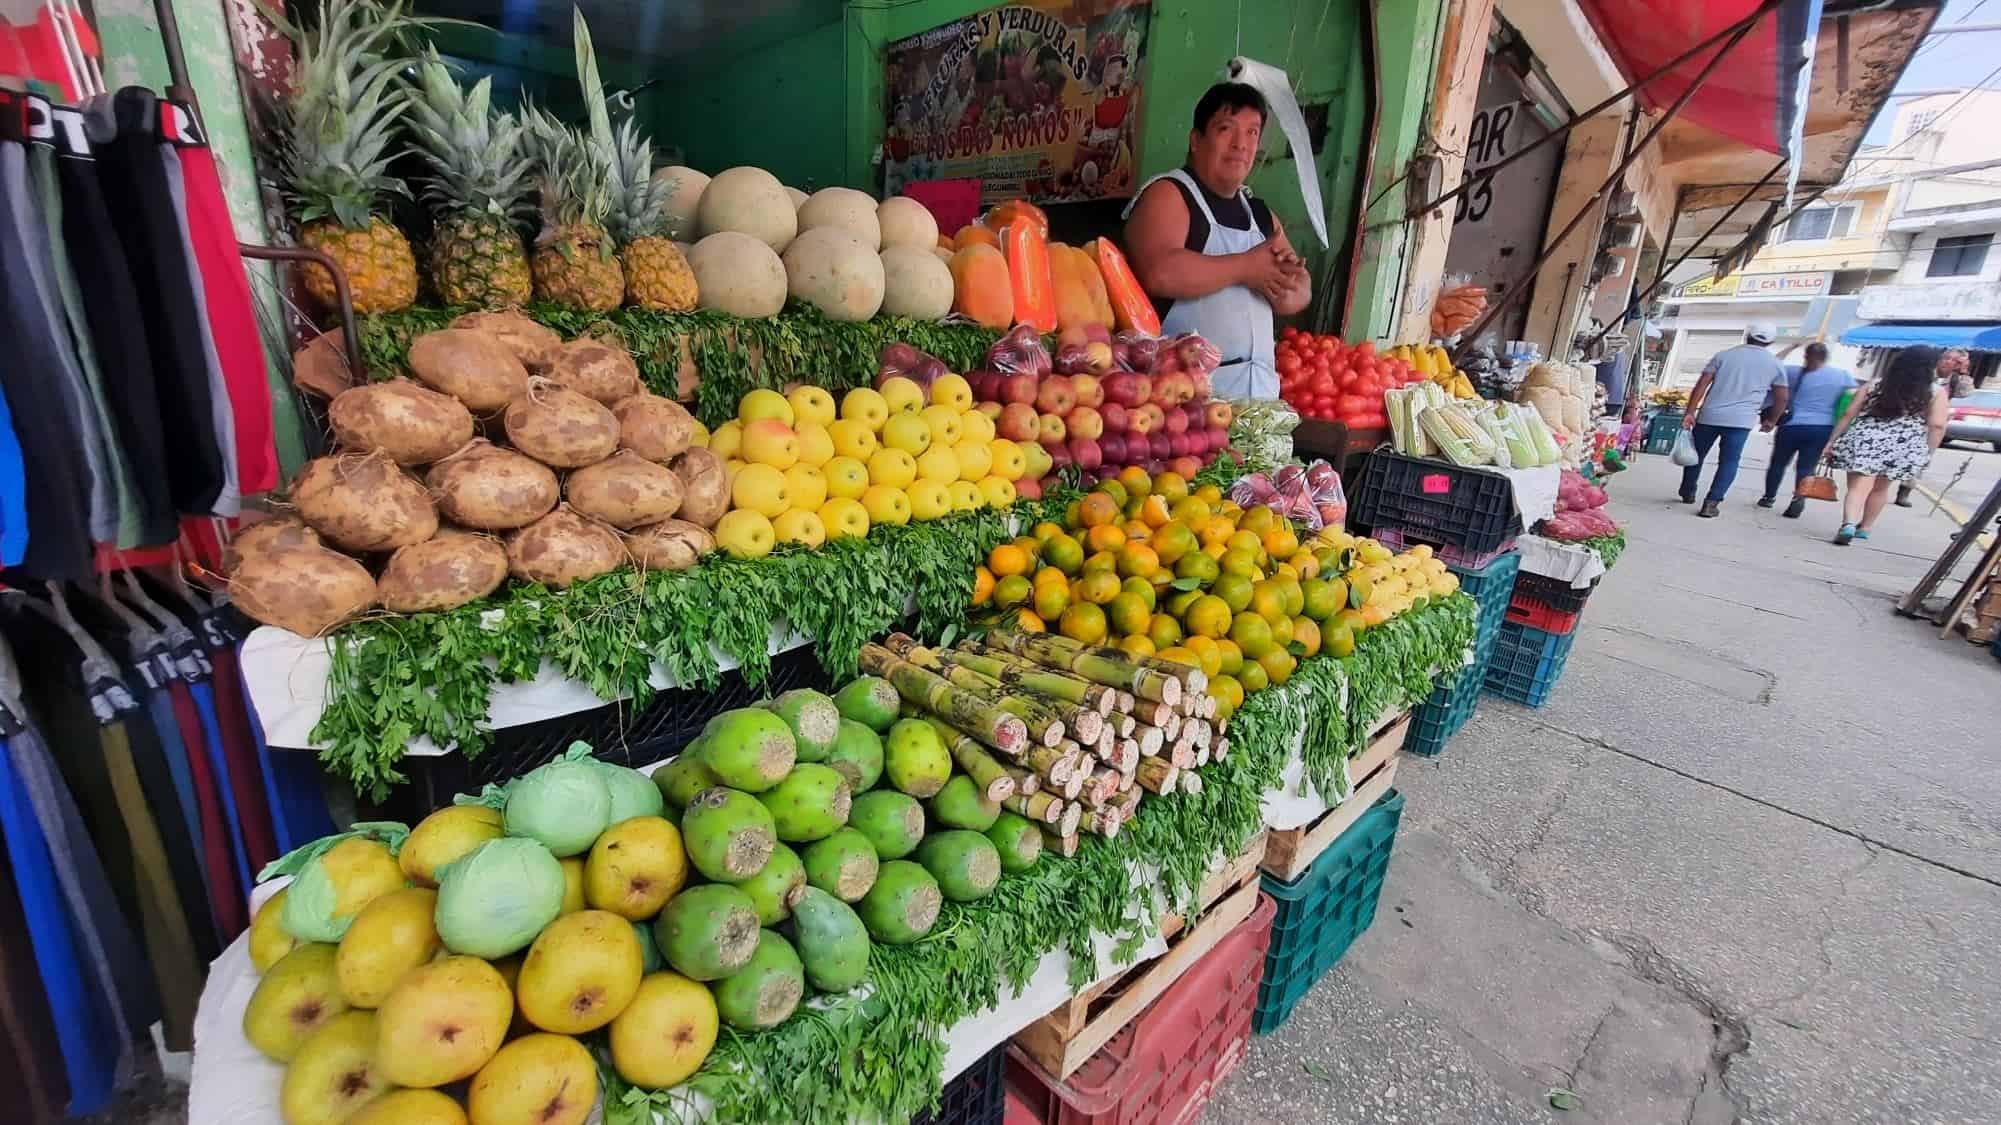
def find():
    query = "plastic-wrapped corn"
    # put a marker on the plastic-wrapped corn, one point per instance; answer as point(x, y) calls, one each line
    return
point(1262, 431)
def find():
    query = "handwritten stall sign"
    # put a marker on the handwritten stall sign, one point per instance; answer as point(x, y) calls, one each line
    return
point(1037, 101)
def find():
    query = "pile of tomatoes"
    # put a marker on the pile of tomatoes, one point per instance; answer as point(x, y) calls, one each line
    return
point(1323, 377)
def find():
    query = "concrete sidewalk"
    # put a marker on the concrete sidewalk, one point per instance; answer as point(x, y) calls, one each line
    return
point(1744, 865)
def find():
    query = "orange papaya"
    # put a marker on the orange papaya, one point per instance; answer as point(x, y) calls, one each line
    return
point(980, 286)
point(1073, 298)
point(1130, 304)
point(973, 234)
point(1094, 286)
point(1013, 209)
point(1027, 251)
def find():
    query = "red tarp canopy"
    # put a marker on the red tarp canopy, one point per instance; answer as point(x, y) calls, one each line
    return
point(1752, 96)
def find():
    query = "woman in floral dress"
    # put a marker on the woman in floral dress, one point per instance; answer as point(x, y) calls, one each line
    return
point(1888, 435)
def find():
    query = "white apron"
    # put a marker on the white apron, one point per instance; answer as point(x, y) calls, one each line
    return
point(1236, 320)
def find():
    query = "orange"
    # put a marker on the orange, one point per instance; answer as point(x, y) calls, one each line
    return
point(1177, 603)
point(1267, 600)
point(1246, 540)
point(1281, 632)
point(1229, 694)
point(1190, 511)
point(1209, 494)
point(1253, 677)
point(1209, 616)
point(1180, 656)
point(1073, 516)
point(1097, 509)
point(1137, 560)
point(1031, 545)
point(1295, 595)
point(1136, 531)
point(1233, 657)
point(1214, 550)
point(1047, 530)
point(1083, 622)
point(1137, 645)
point(1237, 560)
point(1305, 564)
point(1098, 587)
point(1163, 631)
point(1337, 640)
point(1051, 599)
point(1320, 599)
point(1063, 553)
point(1206, 651)
point(1008, 559)
point(1306, 635)
point(1351, 620)
point(1170, 487)
point(1279, 665)
point(1050, 576)
point(1142, 589)
point(1215, 530)
point(1259, 520)
point(1196, 565)
point(1107, 561)
point(983, 585)
point(1153, 511)
point(1234, 589)
point(1128, 614)
point(1135, 480)
point(1112, 488)
point(1027, 622)
point(1252, 634)
point(1012, 591)
point(1281, 543)
point(1106, 537)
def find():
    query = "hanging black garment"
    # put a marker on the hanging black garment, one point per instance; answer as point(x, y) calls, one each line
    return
point(117, 326)
point(133, 176)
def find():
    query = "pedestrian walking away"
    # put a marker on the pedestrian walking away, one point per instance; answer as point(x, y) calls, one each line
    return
point(1727, 401)
point(1887, 435)
point(1955, 373)
point(1804, 430)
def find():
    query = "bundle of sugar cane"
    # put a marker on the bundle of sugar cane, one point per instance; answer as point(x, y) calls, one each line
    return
point(1149, 740)
point(932, 694)
point(1044, 725)
point(1047, 808)
point(1146, 677)
point(1056, 764)
point(990, 775)
point(1019, 671)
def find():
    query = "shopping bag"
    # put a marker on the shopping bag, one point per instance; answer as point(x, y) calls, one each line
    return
point(1684, 451)
point(1819, 486)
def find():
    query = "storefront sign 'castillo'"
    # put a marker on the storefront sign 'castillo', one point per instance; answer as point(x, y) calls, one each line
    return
point(1037, 101)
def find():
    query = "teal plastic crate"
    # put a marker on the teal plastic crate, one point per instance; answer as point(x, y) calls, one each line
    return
point(1661, 431)
point(1438, 718)
point(1527, 662)
point(1321, 913)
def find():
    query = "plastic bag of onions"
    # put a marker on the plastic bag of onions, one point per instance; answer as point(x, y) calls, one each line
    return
point(600, 370)
point(562, 548)
point(535, 345)
point(473, 367)
point(308, 590)
point(655, 427)
point(560, 427)
point(364, 502)
point(669, 544)
point(411, 423)
point(492, 489)
point(705, 486)
point(443, 572)
point(624, 490)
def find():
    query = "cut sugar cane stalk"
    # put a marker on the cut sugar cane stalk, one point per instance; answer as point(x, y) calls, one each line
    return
point(1056, 765)
point(1150, 740)
point(1102, 822)
point(1065, 846)
point(1045, 807)
point(1064, 696)
point(1025, 781)
point(1111, 666)
point(1181, 757)
point(1157, 775)
point(1190, 783)
point(1044, 725)
point(1151, 713)
point(1067, 823)
point(992, 777)
point(1011, 669)
point(979, 717)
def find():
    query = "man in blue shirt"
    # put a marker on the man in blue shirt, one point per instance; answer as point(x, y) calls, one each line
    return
point(1727, 401)
point(1803, 432)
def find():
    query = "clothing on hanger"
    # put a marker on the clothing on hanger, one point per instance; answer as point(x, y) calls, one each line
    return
point(31, 1061)
point(222, 420)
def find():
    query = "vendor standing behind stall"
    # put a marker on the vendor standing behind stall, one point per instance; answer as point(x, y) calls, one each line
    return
point(1220, 258)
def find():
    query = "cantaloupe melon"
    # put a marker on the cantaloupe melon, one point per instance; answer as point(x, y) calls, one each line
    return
point(684, 195)
point(835, 272)
point(738, 274)
point(850, 210)
point(906, 222)
point(916, 283)
point(980, 286)
point(798, 197)
point(749, 201)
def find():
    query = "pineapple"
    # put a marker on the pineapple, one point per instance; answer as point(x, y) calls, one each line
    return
point(476, 255)
point(339, 115)
point(656, 274)
point(574, 263)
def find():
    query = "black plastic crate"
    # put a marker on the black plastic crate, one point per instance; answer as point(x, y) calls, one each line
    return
point(1550, 593)
point(616, 731)
point(1471, 509)
point(978, 1096)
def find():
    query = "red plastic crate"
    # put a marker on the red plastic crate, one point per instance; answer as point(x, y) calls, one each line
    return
point(1163, 1067)
point(1538, 615)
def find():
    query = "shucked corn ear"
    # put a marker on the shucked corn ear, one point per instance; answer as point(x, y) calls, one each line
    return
point(1459, 437)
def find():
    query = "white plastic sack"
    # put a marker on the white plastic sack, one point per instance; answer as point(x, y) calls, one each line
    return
point(1684, 451)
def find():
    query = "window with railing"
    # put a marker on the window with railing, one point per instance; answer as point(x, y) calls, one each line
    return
point(1816, 224)
point(1960, 256)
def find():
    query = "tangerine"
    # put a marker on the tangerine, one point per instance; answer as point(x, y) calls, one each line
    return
point(1097, 510)
point(1083, 622)
point(983, 585)
point(1137, 560)
point(1142, 589)
point(1112, 488)
point(1128, 614)
point(1234, 589)
point(1237, 560)
point(1208, 616)
point(1008, 560)
point(1253, 677)
point(1252, 634)
point(1135, 481)
point(1279, 665)
point(1012, 591)
point(1047, 530)
point(1170, 487)
point(1306, 635)
point(1281, 632)
point(1063, 552)
point(1106, 537)
point(1205, 649)
point(1027, 622)
point(1268, 599)
point(1209, 494)
point(1051, 599)
point(1163, 631)
point(1201, 567)
point(1337, 639)
point(1098, 587)
point(1258, 520)
point(1321, 599)
point(1229, 694)
point(1153, 511)
point(1191, 511)
point(1180, 656)
point(1233, 657)
point(1137, 645)
point(1107, 561)
point(1215, 530)
point(1281, 543)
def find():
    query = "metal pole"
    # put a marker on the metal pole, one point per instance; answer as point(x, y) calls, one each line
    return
point(1737, 29)
point(350, 338)
point(1618, 173)
point(177, 61)
point(1669, 267)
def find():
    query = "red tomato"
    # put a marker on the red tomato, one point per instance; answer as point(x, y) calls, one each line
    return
point(1322, 384)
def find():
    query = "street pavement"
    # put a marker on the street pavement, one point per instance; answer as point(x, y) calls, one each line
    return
point(1744, 865)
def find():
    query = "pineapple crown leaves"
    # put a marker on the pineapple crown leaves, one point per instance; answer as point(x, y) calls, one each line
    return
point(638, 206)
point(342, 111)
point(574, 179)
point(476, 152)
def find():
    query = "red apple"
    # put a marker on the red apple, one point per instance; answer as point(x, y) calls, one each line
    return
point(1154, 466)
point(1099, 358)
point(1186, 466)
point(1084, 422)
point(1180, 445)
point(1072, 334)
point(985, 384)
point(1018, 422)
point(1139, 421)
point(1055, 395)
point(1202, 387)
point(1218, 438)
point(1157, 443)
point(1175, 420)
point(1089, 390)
point(1116, 417)
point(1086, 453)
point(1059, 456)
point(1113, 446)
point(1050, 429)
point(1157, 417)
point(1028, 488)
point(1173, 389)
point(991, 409)
point(1218, 415)
point(1070, 360)
point(1017, 388)
point(1125, 388)
point(1095, 333)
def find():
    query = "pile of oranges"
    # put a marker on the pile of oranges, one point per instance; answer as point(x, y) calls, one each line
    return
point(1156, 567)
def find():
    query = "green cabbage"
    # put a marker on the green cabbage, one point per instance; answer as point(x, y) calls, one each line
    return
point(494, 901)
point(565, 805)
point(632, 793)
point(312, 901)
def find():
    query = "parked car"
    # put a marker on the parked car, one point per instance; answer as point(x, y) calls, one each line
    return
point(1976, 417)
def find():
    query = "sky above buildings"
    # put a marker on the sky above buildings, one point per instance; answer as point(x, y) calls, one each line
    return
point(1949, 62)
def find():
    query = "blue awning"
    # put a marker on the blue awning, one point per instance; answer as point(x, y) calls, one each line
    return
point(1975, 337)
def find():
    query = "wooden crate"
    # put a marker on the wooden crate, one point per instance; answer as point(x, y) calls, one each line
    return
point(1289, 852)
point(1064, 1039)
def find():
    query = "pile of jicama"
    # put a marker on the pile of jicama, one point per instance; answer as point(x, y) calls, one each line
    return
point(1425, 421)
point(1580, 511)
